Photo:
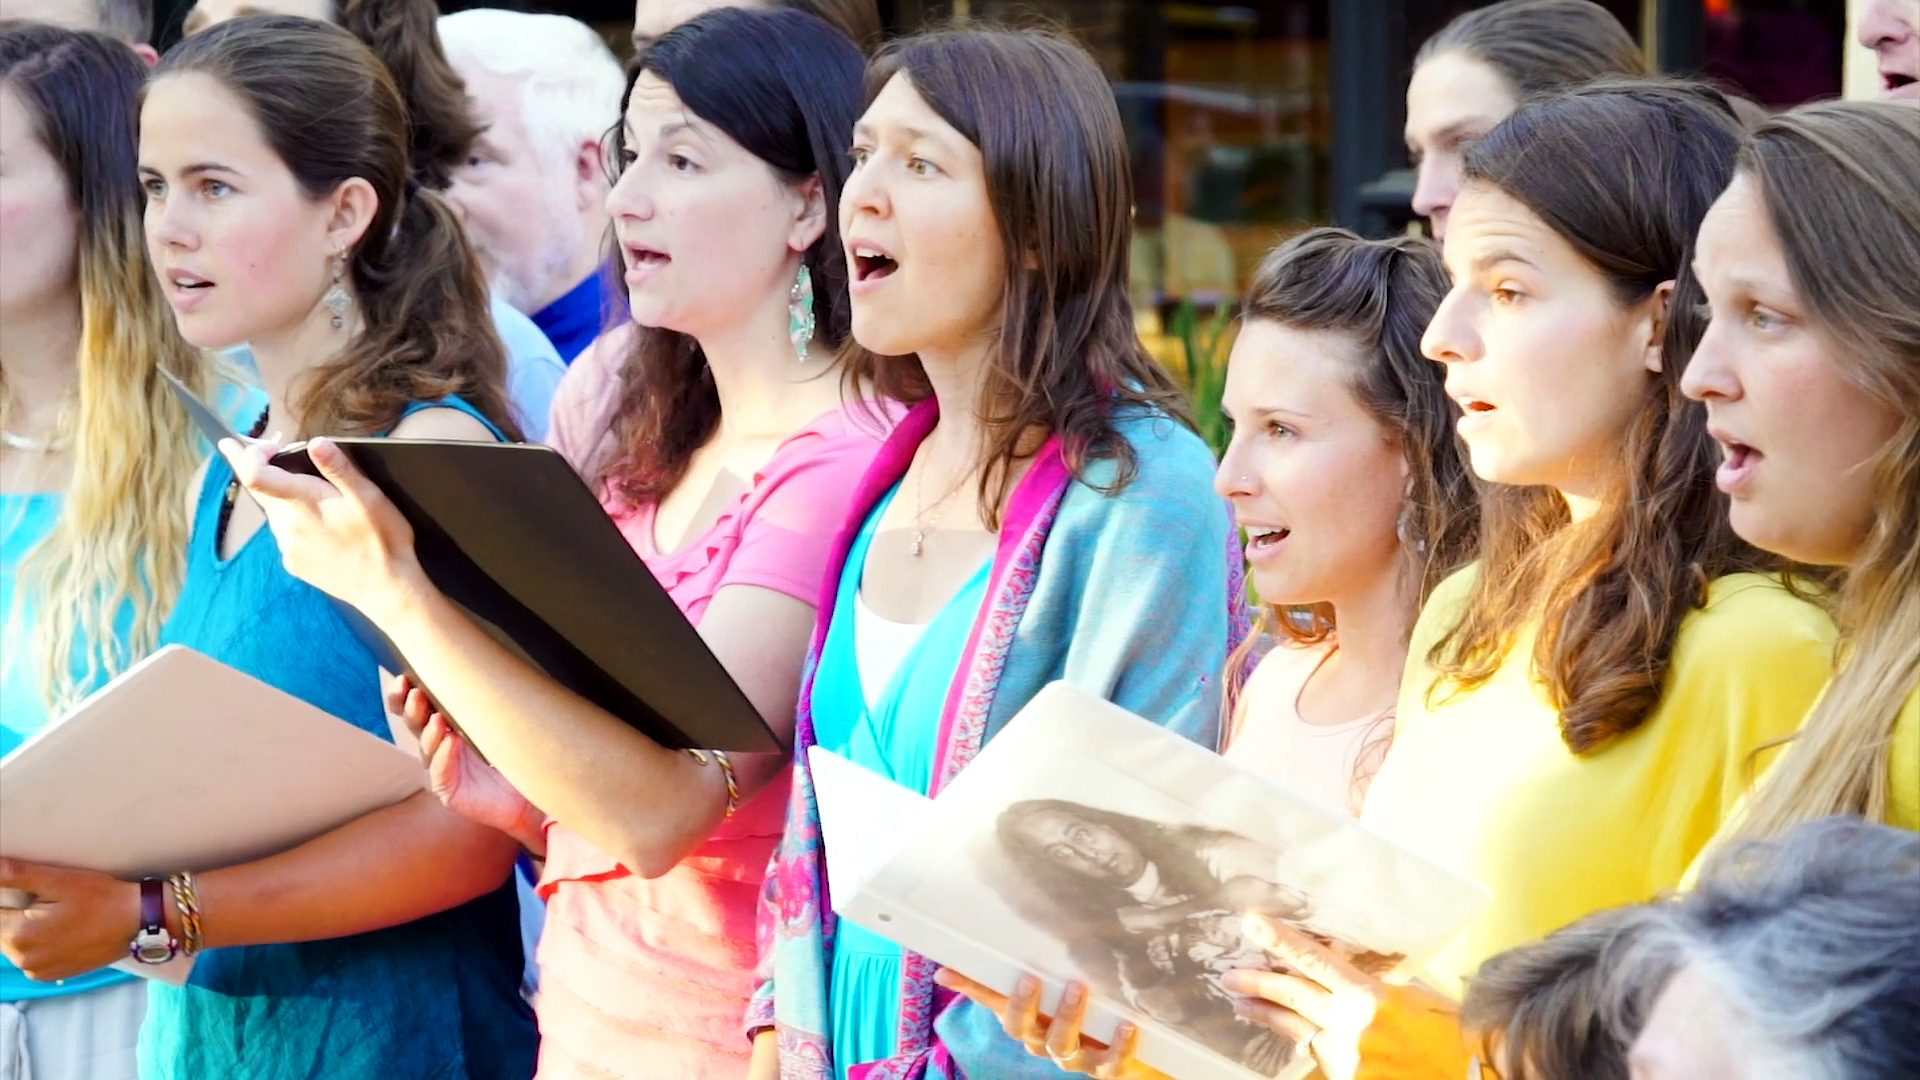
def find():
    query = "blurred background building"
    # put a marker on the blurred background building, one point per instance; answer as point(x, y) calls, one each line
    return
point(1253, 119)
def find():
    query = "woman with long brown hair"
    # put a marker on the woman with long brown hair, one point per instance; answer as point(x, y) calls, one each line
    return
point(274, 157)
point(1585, 705)
point(1810, 370)
point(741, 428)
point(998, 542)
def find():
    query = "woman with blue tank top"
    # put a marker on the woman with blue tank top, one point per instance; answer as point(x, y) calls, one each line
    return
point(273, 154)
point(95, 466)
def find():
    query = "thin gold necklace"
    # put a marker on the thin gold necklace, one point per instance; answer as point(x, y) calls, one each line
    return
point(920, 511)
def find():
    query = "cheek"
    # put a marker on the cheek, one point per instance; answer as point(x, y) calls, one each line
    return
point(41, 248)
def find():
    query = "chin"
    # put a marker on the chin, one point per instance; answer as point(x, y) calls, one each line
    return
point(203, 333)
point(883, 337)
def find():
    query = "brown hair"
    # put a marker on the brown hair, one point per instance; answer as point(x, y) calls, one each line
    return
point(1570, 1004)
point(441, 127)
point(1854, 257)
point(1066, 359)
point(404, 34)
point(1624, 172)
point(1539, 46)
point(330, 111)
point(786, 87)
point(1381, 294)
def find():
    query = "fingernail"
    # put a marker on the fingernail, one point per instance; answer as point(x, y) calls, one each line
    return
point(1235, 982)
point(1124, 1032)
point(1243, 1007)
point(1072, 996)
point(1029, 985)
point(941, 977)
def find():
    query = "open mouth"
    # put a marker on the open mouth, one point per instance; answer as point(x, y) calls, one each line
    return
point(1893, 82)
point(871, 264)
point(1262, 538)
point(1470, 405)
point(1738, 466)
point(183, 280)
point(644, 257)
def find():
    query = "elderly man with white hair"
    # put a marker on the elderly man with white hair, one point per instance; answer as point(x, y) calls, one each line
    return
point(533, 193)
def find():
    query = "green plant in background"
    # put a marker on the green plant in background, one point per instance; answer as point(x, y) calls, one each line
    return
point(1205, 342)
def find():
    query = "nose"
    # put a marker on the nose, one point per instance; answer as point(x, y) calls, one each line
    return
point(628, 197)
point(1234, 479)
point(863, 193)
point(168, 226)
point(1709, 375)
point(1436, 183)
point(1881, 25)
point(1450, 337)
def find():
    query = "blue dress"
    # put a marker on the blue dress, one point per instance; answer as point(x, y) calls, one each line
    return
point(431, 999)
point(897, 739)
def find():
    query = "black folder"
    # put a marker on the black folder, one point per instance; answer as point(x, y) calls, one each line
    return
point(512, 534)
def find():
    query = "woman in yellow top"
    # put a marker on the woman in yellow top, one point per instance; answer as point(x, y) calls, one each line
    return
point(1810, 370)
point(1584, 707)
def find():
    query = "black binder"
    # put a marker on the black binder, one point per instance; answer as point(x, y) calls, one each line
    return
point(512, 534)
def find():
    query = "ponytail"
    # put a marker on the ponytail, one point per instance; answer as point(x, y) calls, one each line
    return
point(429, 330)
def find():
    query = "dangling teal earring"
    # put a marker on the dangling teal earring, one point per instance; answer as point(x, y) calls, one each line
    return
point(800, 313)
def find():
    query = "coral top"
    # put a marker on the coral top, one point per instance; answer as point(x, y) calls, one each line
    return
point(650, 978)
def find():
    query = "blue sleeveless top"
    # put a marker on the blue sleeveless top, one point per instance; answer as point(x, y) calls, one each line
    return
point(435, 998)
point(897, 739)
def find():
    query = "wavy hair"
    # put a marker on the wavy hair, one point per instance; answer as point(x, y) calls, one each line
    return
point(1066, 359)
point(330, 111)
point(786, 87)
point(1864, 299)
point(121, 538)
point(1380, 294)
point(1624, 172)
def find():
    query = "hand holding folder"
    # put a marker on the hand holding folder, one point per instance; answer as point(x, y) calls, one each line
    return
point(513, 536)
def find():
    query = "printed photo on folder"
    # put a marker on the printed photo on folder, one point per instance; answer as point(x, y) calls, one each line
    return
point(510, 533)
point(1087, 844)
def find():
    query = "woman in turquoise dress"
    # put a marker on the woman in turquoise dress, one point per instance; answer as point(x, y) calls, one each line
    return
point(1044, 513)
point(96, 460)
point(280, 212)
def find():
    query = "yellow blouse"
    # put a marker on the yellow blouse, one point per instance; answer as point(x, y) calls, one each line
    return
point(1903, 765)
point(1484, 783)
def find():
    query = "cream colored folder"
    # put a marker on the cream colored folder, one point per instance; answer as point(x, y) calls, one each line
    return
point(183, 763)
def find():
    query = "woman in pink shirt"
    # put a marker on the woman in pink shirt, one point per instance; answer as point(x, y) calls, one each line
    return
point(728, 432)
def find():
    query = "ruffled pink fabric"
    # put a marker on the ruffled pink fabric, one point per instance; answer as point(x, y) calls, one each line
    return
point(649, 978)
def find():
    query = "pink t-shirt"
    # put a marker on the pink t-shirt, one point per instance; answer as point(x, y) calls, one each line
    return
point(649, 979)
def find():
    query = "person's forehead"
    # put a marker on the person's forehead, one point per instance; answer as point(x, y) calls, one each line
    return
point(72, 14)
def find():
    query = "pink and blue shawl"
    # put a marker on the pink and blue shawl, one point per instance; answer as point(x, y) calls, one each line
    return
point(1136, 596)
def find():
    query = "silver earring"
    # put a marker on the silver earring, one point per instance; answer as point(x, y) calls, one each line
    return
point(800, 313)
point(337, 299)
point(1403, 528)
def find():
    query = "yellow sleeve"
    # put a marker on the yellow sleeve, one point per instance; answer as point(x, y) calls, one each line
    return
point(1757, 657)
point(1903, 767)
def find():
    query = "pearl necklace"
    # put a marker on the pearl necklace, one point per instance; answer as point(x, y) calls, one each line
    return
point(35, 446)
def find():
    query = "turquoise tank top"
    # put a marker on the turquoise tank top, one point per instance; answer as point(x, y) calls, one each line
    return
point(897, 739)
point(437, 997)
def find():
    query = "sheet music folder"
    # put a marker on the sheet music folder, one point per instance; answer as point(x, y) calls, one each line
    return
point(512, 534)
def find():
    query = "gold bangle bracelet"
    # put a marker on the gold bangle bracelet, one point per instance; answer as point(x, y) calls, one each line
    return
point(726, 772)
point(186, 900)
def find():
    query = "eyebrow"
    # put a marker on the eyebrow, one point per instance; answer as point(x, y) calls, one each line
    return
point(1481, 263)
point(1454, 132)
point(863, 130)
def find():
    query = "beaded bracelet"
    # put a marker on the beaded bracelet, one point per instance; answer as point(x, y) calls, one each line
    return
point(726, 770)
point(186, 900)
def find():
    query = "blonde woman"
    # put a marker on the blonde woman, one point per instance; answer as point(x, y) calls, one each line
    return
point(95, 460)
point(1810, 370)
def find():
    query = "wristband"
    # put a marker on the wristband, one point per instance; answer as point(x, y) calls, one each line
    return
point(152, 944)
